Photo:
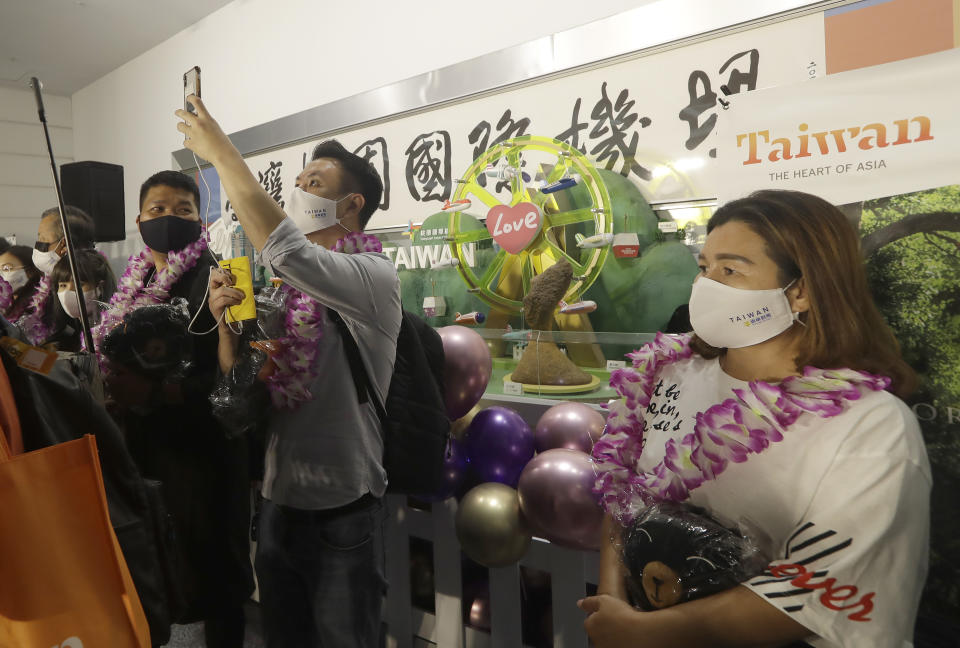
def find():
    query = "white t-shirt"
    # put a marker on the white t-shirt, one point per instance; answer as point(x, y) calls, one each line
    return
point(843, 501)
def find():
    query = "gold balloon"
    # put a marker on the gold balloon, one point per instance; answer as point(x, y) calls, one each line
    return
point(489, 527)
point(459, 427)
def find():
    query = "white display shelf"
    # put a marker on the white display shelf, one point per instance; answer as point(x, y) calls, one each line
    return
point(570, 572)
point(526, 402)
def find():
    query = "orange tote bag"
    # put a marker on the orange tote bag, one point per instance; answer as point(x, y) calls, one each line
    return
point(63, 581)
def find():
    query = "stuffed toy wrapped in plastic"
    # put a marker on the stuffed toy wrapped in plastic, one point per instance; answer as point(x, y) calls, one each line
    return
point(152, 341)
point(240, 400)
point(675, 553)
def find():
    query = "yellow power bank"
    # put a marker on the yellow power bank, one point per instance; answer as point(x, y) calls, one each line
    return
point(247, 309)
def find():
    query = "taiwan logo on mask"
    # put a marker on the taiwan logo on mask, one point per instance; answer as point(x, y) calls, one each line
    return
point(731, 318)
point(312, 213)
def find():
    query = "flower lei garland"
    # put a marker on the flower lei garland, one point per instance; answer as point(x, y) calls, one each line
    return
point(290, 384)
point(358, 242)
point(6, 295)
point(726, 432)
point(19, 306)
point(131, 292)
point(33, 322)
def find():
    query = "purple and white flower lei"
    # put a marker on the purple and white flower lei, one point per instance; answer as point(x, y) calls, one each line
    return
point(131, 292)
point(290, 384)
point(358, 242)
point(726, 432)
point(19, 306)
point(6, 295)
point(33, 322)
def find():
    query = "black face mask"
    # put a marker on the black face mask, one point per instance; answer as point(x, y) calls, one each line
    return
point(169, 233)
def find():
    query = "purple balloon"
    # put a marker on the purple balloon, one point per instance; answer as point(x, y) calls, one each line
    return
point(556, 496)
point(466, 369)
point(499, 444)
point(569, 425)
point(471, 480)
point(455, 469)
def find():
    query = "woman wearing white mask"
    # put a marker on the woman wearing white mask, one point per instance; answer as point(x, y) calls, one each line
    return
point(781, 411)
point(98, 285)
point(17, 269)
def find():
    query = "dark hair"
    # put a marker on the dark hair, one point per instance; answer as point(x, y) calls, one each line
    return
point(92, 268)
point(82, 229)
point(808, 237)
point(4, 246)
point(24, 255)
point(173, 179)
point(357, 174)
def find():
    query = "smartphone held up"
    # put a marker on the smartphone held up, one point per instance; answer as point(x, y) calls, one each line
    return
point(191, 86)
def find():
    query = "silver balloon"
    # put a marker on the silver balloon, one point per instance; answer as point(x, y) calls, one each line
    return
point(569, 425)
point(556, 494)
point(489, 526)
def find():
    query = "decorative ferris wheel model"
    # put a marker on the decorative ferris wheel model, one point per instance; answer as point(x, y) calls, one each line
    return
point(528, 226)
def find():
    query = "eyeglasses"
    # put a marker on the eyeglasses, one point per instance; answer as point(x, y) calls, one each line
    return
point(41, 246)
point(6, 267)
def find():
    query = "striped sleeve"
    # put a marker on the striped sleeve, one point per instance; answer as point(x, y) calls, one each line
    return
point(853, 569)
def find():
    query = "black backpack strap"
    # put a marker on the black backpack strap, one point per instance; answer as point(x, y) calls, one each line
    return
point(361, 379)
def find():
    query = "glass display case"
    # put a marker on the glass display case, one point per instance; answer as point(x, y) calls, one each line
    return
point(562, 268)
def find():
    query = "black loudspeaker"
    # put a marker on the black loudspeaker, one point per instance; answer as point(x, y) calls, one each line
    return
point(96, 188)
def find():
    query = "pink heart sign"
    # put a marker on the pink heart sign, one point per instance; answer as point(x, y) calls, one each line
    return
point(513, 228)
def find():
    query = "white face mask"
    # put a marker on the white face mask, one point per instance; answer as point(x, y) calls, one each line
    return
point(732, 318)
point(71, 305)
point(311, 213)
point(16, 278)
point(45, 261)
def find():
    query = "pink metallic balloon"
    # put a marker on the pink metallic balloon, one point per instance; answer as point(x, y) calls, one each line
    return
point(569, 425)
point(556, 496)
point(480, 613)
point(466, 370)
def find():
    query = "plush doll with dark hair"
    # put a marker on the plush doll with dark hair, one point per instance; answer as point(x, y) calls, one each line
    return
point(675, 553)
point(152, 341)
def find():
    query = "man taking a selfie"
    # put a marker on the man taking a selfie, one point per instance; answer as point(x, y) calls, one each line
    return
point(320, 557)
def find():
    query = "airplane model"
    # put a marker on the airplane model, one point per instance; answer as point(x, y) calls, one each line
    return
point(452, 262)
point(456, 205)
point(474, 317)
point(577, 307)
point(561, 184)
point(595, 241)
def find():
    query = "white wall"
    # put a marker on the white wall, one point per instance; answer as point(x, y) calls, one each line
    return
point(264, 59)
point(26, 181)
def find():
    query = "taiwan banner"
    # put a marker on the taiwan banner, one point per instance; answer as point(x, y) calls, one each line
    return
point(879, 131)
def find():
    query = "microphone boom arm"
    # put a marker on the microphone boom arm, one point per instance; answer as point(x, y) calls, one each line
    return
point(65, 224)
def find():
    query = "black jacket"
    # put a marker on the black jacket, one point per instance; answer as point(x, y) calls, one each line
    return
point(205, 475)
